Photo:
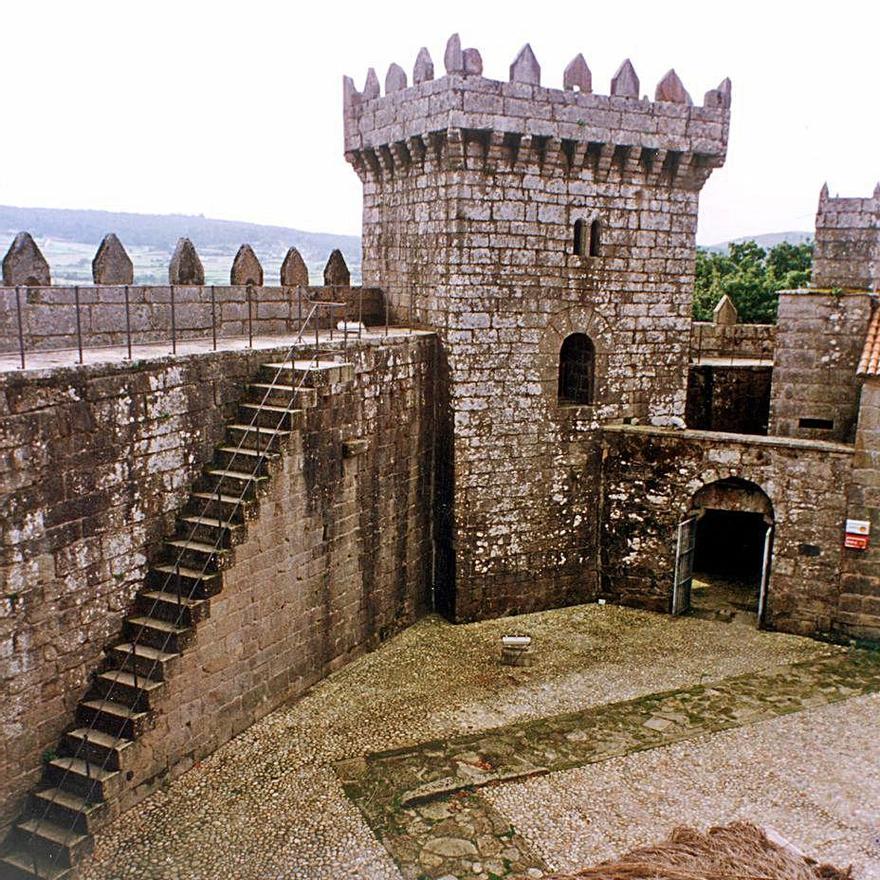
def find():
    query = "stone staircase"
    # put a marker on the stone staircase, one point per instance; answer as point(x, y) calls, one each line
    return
point(87, 773)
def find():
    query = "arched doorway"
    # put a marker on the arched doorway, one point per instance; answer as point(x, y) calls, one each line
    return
point(724, 552)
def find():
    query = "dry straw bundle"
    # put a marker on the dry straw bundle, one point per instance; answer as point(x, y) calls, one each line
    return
point(740, 851)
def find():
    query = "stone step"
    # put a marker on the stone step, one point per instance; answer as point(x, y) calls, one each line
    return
point(111, 716)
point(246, 460)
point(254, 437)
point(67, 809)
point(228, 506)
point(96, 746)
point(159, 634)
point(136, 692)
point(164, 605)
point(144, 658)
point(90, 781)
point(21, 864)
point(58, 844)
point(196, 555)
point(309, 372)
point(282, 395)
point(194, 582)
point(268, 415)
point(238, 483)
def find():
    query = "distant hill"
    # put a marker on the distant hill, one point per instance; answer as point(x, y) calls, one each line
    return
point(766, 241)
point(69, 239)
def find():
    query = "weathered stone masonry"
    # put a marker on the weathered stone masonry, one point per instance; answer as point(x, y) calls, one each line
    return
point(49, 314)
point(529, 450)
point(650, 477)
point(97, 460)
point(472, 189)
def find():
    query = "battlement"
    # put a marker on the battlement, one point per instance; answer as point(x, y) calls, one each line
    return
point(847, 251)
point(465, 120)
point(39, 316)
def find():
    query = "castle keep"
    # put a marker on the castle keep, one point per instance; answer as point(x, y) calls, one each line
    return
point(510, 217)
point(213, 496)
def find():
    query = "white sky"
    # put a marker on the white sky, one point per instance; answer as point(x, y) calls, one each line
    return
point(234, 109)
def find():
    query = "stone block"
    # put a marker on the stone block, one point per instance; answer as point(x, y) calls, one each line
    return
point(111, 264)
point(24, 263)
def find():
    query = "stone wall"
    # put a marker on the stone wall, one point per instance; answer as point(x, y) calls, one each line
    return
point(472, 192)
point(819, 342)
point(95, 463)
point(728, 397)
point(860, 582)
point(650, 477)
point(49, 314)
point(735, 341)
point(847, 252)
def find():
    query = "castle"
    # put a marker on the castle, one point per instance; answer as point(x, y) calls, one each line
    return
point(515, 412)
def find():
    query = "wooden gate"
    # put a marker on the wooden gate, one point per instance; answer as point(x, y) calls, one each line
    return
point(765, 573)
point(684, 565)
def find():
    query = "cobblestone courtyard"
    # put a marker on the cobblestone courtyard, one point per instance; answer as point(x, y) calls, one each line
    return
point(628, 724)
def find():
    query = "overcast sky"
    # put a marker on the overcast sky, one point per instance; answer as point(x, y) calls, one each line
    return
point(234, 109)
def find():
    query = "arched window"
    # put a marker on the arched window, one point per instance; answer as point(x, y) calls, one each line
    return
point(577, 367)
point(587, 238)
point(595, 236)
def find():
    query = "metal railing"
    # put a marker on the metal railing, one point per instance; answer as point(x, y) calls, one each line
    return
point(224, 521)
point(127, 336)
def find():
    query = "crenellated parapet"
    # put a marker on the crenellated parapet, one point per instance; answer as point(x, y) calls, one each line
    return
point(25, 266)
point(37, 315)
point(463, 120)
point(847, 253)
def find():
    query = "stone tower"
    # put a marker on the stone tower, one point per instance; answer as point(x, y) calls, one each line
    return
point(548, 236)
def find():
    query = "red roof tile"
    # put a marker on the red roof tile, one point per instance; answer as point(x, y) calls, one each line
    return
point(869, 365)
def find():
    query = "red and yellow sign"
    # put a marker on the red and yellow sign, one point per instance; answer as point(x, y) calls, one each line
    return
point(855, 542)
point(856, 535)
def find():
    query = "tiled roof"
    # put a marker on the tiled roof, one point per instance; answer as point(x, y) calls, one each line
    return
point(869, 365)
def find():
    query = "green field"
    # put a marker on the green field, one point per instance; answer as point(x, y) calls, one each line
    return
point(69, 239)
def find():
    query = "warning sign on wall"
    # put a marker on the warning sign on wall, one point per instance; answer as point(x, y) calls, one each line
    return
point(857, 534)
point(856, 542)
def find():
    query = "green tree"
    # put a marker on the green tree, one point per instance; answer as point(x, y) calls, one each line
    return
point(751, 277)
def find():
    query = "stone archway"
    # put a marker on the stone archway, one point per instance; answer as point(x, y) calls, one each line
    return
point(728, 531)
point(567, 321)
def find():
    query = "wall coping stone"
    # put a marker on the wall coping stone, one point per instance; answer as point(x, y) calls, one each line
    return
point(734, 439)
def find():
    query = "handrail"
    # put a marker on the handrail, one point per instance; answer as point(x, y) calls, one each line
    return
point(131, 654)
point(171, 334)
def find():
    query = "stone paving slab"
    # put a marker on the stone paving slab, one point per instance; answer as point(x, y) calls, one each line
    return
point(421, 801)
point(118, 354)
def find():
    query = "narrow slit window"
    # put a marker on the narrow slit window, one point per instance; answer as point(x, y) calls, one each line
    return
point(595, 238)
point(580, 238)
point(817, 424)
point(577, 367)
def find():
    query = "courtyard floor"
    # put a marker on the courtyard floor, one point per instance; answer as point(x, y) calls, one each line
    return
point(428, 759)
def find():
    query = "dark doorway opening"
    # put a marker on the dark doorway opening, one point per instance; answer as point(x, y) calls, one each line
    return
point(728, 564)
point(577, 366)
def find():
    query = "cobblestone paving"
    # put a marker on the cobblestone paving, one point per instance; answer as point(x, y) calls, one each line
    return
point(421, 800)
point(269, 804)
point(814, 776)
